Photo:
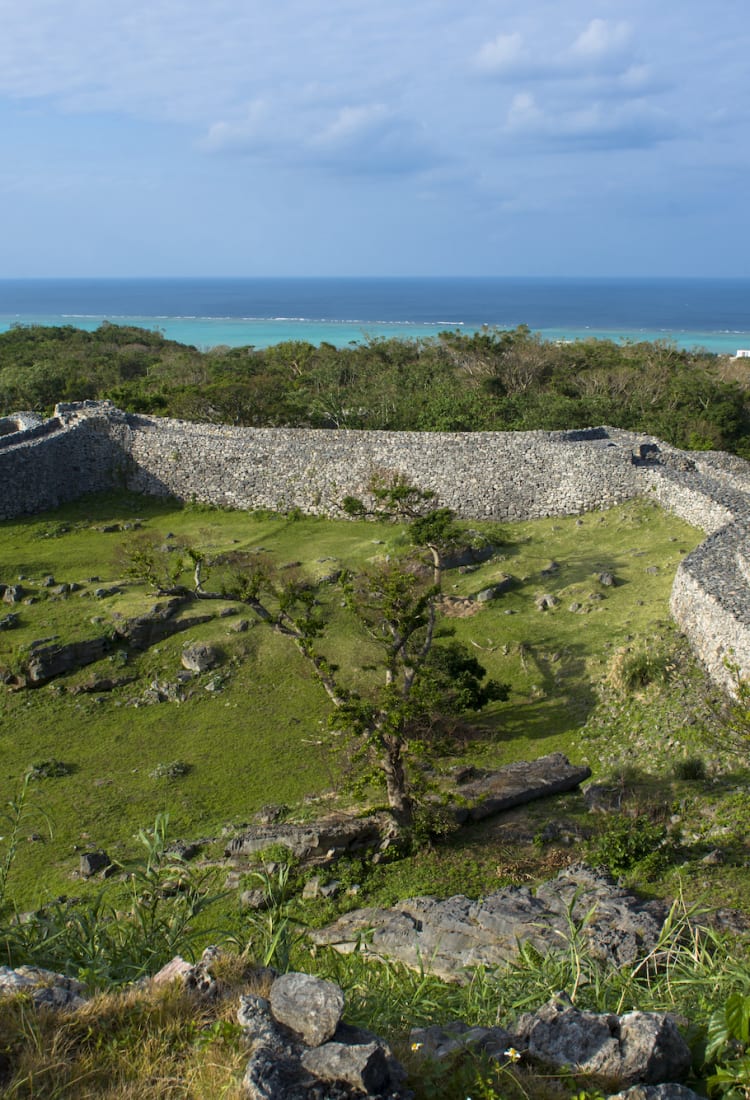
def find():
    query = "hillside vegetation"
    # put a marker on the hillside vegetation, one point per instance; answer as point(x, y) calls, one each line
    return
point(601, 675)
point(158, 766)
point(610, 683)
point(492, 380)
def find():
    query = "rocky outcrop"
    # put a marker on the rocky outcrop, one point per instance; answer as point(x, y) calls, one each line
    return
point(45, 988)
point(517, 784)
point(450, 937)
point(643, 1050)
point(322, 840)
point(47, 662)
point(639, 1047)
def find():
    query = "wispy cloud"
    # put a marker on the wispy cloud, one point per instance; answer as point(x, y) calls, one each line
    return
point(600, 46)
point(631, 125)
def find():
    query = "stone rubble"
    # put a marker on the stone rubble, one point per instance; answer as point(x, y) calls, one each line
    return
point(301, 1049)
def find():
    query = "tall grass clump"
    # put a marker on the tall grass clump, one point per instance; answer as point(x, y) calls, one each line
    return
point(130, 928)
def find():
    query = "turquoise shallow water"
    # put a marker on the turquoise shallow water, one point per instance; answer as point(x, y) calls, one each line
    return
point(711, 313)
point(208, 332)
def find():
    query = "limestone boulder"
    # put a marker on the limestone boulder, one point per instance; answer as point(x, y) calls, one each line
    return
point(200, 658)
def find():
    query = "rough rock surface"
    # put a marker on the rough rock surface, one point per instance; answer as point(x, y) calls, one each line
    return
point(666, 1091)
point(639, 1047)
point(327, 838)
point(310, 1006)
point(347, 1065)
point(448, 937)
point(46, 988)
point(516, 784)
point(199, 658)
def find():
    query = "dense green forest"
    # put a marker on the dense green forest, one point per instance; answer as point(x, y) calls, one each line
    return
point(489, 380)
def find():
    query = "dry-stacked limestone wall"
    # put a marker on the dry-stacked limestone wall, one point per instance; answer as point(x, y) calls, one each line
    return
point(44, 465)
point(504, 476)
point(498, 475)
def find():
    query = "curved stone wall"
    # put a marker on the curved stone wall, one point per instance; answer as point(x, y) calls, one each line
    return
point(489, 475)
point(494, 475)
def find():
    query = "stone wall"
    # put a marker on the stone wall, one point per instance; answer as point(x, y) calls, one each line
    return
point(46, 465)
point(92, 446)
point(493, 475)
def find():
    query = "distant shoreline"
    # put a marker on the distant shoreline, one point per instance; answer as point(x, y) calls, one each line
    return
point(209, 332)
point(691, 313)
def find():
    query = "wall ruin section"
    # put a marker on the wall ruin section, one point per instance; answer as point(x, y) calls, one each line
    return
point(92, 446)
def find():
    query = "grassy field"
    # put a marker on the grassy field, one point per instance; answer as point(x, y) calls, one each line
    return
point(253, 731)
point(601, 675)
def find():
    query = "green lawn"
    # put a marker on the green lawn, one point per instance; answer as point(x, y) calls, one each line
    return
point(260, 737)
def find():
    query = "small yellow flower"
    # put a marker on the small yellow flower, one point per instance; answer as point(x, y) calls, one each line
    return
point(416, 1046)
point(512, 1054)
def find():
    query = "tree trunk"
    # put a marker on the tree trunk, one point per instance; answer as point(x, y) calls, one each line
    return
point(397, 788)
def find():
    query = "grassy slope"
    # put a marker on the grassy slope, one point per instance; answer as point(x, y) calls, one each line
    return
point(256, 740)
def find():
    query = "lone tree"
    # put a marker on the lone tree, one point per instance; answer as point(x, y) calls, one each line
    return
point(421, 678)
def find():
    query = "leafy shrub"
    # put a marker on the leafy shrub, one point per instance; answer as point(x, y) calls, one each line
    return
point(626, 842)
point(174, 770)
point(728, 1048)
point(48, 769)
point(691, 768)
point(634, 669)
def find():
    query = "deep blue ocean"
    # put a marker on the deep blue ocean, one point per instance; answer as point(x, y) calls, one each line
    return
point(710, 313)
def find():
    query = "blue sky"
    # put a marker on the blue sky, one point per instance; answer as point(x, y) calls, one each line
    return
point(240, 137)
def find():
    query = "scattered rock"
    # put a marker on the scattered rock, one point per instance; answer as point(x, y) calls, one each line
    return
point(94, 863)
point(606, 578)
point(546, 602)
point(639, 1047)
point(309, 1006)
point(200, 657)
point(504, 584)
point(12, 593)
point(516, 784)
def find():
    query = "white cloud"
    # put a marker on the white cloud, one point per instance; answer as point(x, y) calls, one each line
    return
point(595, 125)
point(599, 45)
point(601, 39)
point(243, 132)
point(500, 54)
point(524, 112)
point(352, 124)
